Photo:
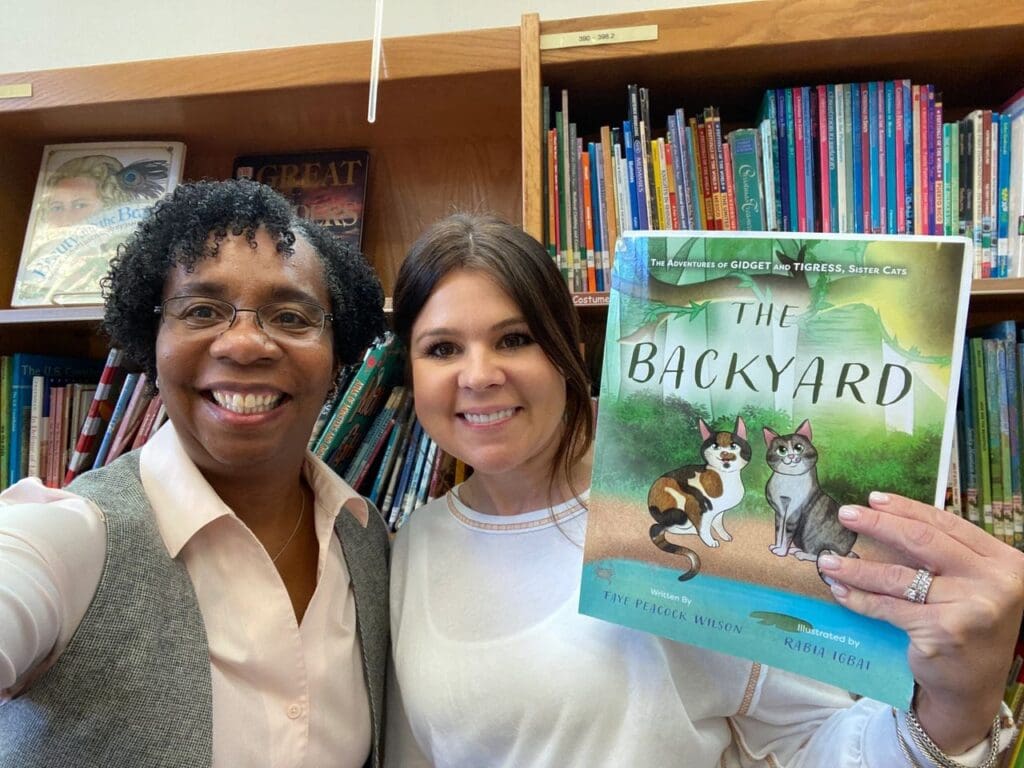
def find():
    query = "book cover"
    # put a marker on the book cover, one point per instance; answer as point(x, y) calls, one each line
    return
point(88, 198)
point(326, 186)
point(745, 361)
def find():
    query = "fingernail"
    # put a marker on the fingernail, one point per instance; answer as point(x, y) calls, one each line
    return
point(840, 590)
point(877, 497)
point(848, 513)
point(828, 562)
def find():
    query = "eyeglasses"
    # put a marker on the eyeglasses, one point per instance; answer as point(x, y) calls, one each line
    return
point(283, 321)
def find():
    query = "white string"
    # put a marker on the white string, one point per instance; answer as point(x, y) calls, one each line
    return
point(378, 23)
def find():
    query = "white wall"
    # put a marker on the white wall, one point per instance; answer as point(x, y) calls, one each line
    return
point(47, 34)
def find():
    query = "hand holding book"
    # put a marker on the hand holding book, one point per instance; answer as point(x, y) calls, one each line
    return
point(974, 604)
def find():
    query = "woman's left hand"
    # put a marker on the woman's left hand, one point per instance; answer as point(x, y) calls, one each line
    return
point(962, 638)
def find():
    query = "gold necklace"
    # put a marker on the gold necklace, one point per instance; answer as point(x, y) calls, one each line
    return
point(295, 530)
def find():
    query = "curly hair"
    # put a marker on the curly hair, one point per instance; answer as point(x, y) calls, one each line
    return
point(190, 224)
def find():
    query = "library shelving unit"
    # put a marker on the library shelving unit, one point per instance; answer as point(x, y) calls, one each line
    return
point(446, 137)
point(728, 55)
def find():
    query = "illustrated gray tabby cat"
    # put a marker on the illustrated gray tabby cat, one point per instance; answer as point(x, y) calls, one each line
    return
point(806, 518)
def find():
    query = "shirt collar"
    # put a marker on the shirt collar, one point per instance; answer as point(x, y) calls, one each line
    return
point(183, 501)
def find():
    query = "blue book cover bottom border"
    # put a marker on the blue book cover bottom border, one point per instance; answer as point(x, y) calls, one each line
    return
point(791, 632)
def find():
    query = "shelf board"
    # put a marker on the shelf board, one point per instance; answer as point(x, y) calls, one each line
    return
point(91, 314)
point(1004, 286)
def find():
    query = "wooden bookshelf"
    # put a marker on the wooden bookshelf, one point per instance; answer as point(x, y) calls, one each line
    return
point(446, 137)
point(728, 55)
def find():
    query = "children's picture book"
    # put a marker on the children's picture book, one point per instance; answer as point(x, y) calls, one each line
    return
point(89, 197)
point(753, 383)
point(328, 187)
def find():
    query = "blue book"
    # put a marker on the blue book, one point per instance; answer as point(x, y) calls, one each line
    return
point(58, 371)
point(394, 502)
point(790, 155)
point(785, 212)
point(858, 162)
point(596, 223)
point(873, 192)
point(678, 163)
point(1003, 184)
point(631, 175)
point(890, 157)
point(130, 380)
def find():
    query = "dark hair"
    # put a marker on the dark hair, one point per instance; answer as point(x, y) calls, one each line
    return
point(524, 270)
point(189, 225)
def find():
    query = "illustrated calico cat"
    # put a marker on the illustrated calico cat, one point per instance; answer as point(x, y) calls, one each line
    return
point(806, 518)
point(693, 498)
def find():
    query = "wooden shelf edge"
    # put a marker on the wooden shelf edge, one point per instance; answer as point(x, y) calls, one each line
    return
point(328, 64)
point(41, 315)
point(1001, 286)
point(777, 24)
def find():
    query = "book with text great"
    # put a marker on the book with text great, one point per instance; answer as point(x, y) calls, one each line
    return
point(328, 187)
point(752, 384)
point(89, 197)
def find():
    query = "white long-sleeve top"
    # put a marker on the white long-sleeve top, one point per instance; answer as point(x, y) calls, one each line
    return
point(285, 694)
point(495, 667)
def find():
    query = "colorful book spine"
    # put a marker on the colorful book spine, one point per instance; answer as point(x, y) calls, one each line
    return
point(891, 195)
point(906, 89)
point(120, 406)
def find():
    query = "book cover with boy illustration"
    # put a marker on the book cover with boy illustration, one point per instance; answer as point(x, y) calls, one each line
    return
point(752, 383)
point(89, 198)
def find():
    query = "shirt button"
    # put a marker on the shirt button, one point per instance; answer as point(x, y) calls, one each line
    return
point(294, 711)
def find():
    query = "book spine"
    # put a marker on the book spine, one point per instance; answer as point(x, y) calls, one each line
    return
point(729, 193)
point(120, 405)
point(899, 157)
point(36, 410)
point(981, 430)
point(1013, 435)
point(96, 417)
point(938, 183)
point(968, 443)
point(906, 90)
point(893, 207)
point(928, 124)
point(799, 150)
point(856, 155)
point(873, 224)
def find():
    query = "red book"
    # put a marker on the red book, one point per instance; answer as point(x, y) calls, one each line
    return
point(865, 157)
point(730, 187)
point(588, 220)
point(149, 422)
point(826, 182)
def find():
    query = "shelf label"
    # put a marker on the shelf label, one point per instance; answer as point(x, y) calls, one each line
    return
point(599, 37)
point(16, 91)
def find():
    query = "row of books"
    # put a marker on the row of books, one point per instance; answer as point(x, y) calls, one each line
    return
point(986, 472)
point(872, 157)
point(369, 435)
point(61, 415)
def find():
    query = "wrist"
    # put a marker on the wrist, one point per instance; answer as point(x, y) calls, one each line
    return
point(954, 726)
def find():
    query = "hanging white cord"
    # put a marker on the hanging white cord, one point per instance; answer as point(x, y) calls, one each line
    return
point(378, 22)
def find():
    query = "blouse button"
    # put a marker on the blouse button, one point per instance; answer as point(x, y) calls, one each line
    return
point(294, 711)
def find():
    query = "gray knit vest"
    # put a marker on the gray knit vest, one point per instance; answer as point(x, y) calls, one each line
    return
point(132, 689)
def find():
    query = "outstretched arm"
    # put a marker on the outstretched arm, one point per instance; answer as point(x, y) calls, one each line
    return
point(51, 558)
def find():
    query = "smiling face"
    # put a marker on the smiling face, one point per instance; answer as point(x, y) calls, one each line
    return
point(483, 389)
point(241, 403)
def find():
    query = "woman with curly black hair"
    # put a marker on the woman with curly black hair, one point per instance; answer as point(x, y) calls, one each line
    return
point(188, 605)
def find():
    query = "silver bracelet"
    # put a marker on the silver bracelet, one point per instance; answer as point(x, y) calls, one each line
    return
point(932, 751)
point(904, 747)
